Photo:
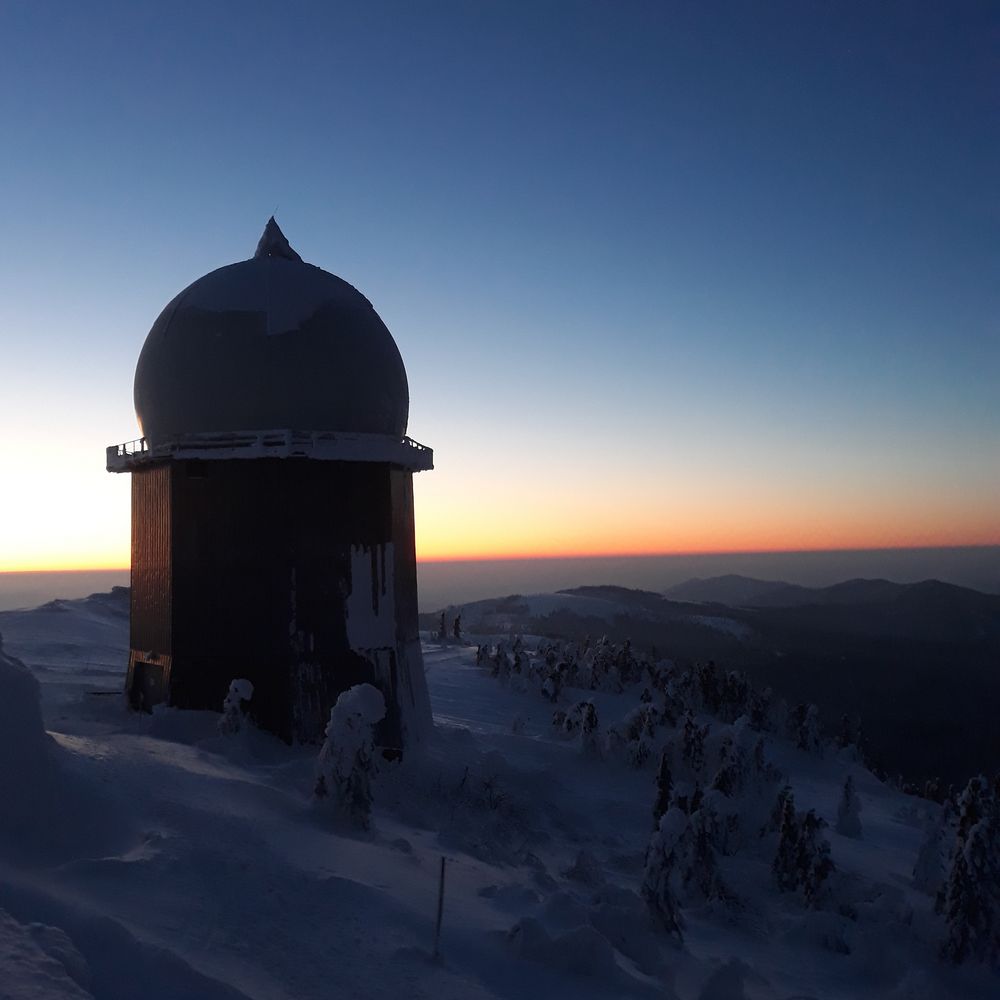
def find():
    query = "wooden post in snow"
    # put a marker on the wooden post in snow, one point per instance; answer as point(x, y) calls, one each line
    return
point(440, 912)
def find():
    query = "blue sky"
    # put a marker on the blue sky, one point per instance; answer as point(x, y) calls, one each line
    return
point(722, 272)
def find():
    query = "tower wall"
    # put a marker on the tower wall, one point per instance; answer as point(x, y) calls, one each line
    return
point(151, 605)
point(297, 574)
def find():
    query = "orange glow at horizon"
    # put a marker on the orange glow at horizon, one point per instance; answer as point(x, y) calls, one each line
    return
point(429, 554)
point(466, 511)
point(444, 554)
point(691, 528)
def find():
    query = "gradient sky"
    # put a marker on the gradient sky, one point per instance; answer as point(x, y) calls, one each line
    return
point(666, 277)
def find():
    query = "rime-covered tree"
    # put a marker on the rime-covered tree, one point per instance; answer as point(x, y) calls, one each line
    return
point(553, 683)
point(733, 772)
point(849, 811)
point(775, 820)
point(734, 696)
point(802, 860)
point(785, 866)
point(589, 729)
point(807, 736)
point(663, 855)
point(971, 898)
point(814, 862)
point(700, 874)
point(934, 790)
point(693, 749)
point(847, 733)
point(347, 763)
point(233, 714)
point(759, 709)
point(709, 688)
point(664, 787)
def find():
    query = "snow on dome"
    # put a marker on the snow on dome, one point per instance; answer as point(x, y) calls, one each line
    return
point(270, 343)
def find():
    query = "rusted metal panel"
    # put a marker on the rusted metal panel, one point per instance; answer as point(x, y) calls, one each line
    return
point(151, 610)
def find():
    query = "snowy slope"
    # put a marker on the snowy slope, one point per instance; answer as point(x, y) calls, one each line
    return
point(157, 858)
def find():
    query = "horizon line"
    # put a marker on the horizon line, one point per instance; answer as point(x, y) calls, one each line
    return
point(539, 557)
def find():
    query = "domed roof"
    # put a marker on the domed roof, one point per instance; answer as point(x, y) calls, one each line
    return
point(265, 344)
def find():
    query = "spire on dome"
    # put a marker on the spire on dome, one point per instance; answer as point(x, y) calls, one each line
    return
point(273, 243)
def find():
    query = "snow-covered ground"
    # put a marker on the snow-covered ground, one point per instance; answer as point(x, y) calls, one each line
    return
point(150, 856)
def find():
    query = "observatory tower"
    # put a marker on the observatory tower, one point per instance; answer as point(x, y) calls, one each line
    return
point(272, 501)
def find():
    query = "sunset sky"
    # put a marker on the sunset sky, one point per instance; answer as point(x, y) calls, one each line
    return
point(666, 277)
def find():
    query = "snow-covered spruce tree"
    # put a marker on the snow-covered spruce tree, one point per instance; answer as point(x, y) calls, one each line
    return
point(814, 862)
point(347, 762)
point(807, 735)
point(666, 847)
point(846, 734)
point(709, 687)
point(664, 787)
point(501, 663)
point(773, 824)
point(232, 721)
point(733, 772)
point(803, 858)
point(785, 866)
point(700, 876)
point(553, 683)
point(693, 748)
point(589, 728)
point(849, 811)
point(735, 696)
point(759, 709)
point(972, 892)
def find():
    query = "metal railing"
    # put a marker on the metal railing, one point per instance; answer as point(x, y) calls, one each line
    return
point(323, 445)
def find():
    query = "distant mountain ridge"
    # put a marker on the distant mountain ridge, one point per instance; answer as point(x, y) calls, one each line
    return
point(747, 592)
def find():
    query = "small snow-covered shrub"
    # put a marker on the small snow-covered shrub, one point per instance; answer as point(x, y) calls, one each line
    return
point(240, 691)
point(849, 811)
point(347, 763)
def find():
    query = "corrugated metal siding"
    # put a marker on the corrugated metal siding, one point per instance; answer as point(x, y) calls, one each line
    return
point(151, 562)
point(241, 569)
